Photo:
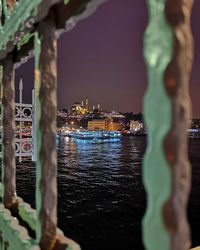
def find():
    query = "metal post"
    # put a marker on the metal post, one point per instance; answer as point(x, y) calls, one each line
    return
point(8, 137)
point(1, 95)
point(34, 138)
point(46, 105)
point(166, 169)
point(20, 123)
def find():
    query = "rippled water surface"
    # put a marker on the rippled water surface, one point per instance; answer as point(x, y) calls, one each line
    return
point(101, 197)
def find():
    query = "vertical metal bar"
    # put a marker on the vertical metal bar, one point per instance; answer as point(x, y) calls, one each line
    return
point(5, 9)
point(46, 195)
point(0, 13)
point(8, 137)
point(1, 93)
point(166, 175)
point(34, 132)
point(176, 79)
point(20, 122)
point(158, 43)
point(37, 117)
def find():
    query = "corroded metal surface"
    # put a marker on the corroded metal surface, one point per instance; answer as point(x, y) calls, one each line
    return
point(17, 32)
point(176, 143)
point(8, 137)
point(27, 213)
point(70, 13)
point(168, 53)
point(47, 167)
point(16, 235)
point(24, 15)
point(21, 20)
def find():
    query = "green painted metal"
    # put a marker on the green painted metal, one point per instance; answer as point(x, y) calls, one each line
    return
point(5, 9)
point(37, 110)
point(66, 1)
point(0, 13)
point(1, 186)
point(21, 12)
point(27, 214)
point(10, 229)
point(25, 211)
point(25, 39)
point(1, 189)
point(158, 43)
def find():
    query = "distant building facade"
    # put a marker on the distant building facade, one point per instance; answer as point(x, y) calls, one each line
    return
point(136, 126)
point(78, 109)
point(104, 124)
point(83, 108)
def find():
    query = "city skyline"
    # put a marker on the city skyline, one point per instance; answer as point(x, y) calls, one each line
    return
point(102, 57)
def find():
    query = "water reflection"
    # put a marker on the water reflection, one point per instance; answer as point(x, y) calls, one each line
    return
point(101, 197)
point(102, 186)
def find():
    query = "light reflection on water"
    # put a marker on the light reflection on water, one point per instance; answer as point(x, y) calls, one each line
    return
point(103, 191)
point(101, 198)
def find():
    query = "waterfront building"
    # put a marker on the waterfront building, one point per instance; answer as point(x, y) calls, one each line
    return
point(98, 124)
point(115, 116)
point(115, 126)
point(136, 126)
point(104, 124)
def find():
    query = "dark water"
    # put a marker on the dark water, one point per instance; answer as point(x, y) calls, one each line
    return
point(101, 198)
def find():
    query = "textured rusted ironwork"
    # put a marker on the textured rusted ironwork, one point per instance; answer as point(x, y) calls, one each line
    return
point(47, 165)
point(169, 55)
point(176, 143)
point(13, 234)
point(8, 137)
point(21, 19)
point(11, 3)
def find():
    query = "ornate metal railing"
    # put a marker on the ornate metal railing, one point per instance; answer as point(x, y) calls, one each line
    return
point(24, 142)
point(24, 139)
point(29, 27)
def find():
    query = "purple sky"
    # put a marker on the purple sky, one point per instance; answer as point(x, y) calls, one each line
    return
point(102, 58)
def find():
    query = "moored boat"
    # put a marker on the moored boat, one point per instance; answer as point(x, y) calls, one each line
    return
point(95, 135)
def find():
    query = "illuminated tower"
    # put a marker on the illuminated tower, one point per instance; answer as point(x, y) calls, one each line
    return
point(82, 103)
point(98, 106)
point(87, 103)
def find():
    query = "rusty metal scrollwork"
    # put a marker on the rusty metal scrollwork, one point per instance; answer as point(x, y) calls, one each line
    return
point(10, 4)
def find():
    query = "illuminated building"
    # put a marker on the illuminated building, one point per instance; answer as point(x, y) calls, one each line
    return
point(104, 124)
point(80, 108)
point(83, 108)
point(136, 126)
point(98, 124)
point(115, 126)
point(77, 109)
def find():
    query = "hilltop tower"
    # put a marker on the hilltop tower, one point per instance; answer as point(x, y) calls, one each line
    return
point(87, 103)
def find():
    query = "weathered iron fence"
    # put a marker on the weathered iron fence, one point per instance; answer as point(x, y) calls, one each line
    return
point(24, 136)
point(30, 28)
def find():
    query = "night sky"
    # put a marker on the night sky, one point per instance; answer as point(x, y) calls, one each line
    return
point(102, 58)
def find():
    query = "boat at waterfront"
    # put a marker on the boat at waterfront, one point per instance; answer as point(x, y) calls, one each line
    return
point(101, 135)
point(194, 133)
